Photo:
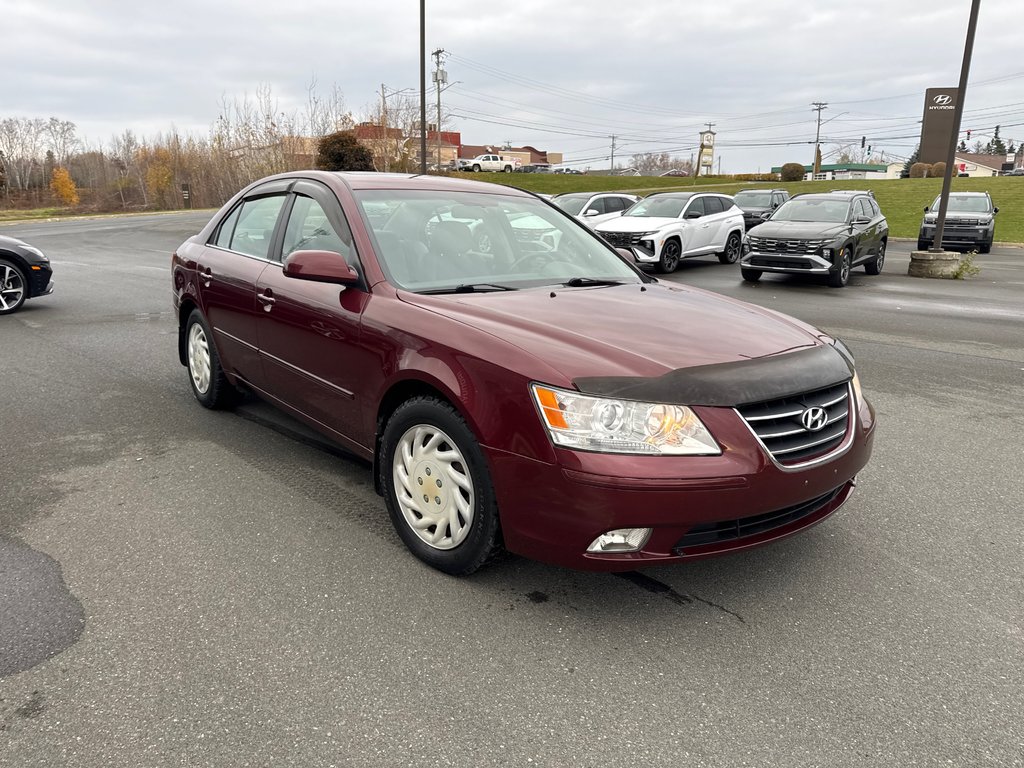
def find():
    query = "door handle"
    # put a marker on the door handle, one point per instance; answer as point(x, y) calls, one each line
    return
point(207, 276)
point(266, 299)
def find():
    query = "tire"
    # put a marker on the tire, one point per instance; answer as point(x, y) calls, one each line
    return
point(840, 275)
point(426, 443)
point(13, 287)
point(922, 245)
point(750, 275)
point(205, 375)
point(670, 253)
point(985, 247)
point(733, 246)
point(476, 169)
point(874, 267)
point(507, 169)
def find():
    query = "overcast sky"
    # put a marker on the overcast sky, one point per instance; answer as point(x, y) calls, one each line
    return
point(561, 76)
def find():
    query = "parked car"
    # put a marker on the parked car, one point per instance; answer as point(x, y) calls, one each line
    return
point(757, 203)
point(819, 234)
point(970, 222)
point(592, 208)
point(668, 226)
point(488, 163)
point(25, 273)
point(517, 398)
point(1017, 172)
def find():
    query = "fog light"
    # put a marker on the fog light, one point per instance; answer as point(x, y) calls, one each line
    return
point(620, 540)
point(826, 252)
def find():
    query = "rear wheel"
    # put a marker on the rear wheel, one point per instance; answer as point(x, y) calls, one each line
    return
point(13, 288)
point(874, 267)
point(750, 275)
point(840, 274)
point(731, 254)
point(507, 169)
point(669, 260)
point(209, 384)
point(437, 487)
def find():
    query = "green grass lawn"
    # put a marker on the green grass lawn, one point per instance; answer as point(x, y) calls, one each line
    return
point(902, 200)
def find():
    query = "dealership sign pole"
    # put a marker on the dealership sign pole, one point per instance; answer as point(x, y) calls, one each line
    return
point(958, 112)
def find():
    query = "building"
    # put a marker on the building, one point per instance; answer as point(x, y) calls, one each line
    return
point(849, 171)
point(525, 155)
point(974, 164)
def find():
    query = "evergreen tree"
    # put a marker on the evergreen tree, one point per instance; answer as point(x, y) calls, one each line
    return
point(914, 157)
point(342, 151)
point(998, 146)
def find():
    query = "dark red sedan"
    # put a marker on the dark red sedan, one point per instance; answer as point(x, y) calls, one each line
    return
point(517, 383)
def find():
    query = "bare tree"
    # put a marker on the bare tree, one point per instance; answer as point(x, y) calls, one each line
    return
point(62, 139)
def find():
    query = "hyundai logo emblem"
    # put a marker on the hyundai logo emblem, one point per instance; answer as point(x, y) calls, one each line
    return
point(943, 99)
point(814, 418)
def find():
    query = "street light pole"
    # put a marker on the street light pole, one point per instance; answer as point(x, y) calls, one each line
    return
point(958, 112)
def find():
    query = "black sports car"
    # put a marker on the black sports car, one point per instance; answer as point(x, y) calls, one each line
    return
point(25, 273)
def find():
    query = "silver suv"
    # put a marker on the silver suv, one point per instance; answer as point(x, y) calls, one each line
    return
point(970, 222)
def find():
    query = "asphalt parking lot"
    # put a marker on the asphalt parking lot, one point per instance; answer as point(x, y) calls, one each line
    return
point(181, 587)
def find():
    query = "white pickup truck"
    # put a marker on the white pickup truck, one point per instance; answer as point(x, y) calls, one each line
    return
point(488, 163)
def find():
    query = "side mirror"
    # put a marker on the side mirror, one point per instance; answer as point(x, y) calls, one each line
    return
point(926, 209)
point(321, 267)
point(590, 212)
point(861, 219)
point(628, 254)
point(766, 215)
point(692, 215)
point(995, 210)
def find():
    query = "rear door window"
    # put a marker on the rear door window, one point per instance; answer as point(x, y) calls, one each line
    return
point(254, 229)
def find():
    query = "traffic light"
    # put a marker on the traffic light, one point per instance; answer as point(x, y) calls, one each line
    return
point(968, 136)
point(862, 140)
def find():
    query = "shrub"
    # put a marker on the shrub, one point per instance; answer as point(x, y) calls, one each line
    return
point(793, 172)
point(938, 170)
point(919, 170)
point(63, 187)
point(342, 151)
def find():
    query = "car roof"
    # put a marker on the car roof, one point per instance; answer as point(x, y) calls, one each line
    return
point(867, 192)
point(824, 196)
point(366, 180)
point(761, 189)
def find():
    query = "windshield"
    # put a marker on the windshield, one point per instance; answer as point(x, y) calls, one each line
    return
point(571, 204)
point(965, 204)
point(753, 199)
point(437, 241)
point(662, 206)
point(809, 209)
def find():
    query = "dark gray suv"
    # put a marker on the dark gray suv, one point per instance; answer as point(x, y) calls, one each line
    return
point(970, 222)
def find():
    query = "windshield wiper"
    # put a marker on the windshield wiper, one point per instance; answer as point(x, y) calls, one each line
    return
point(472, 288)
point(579, 282)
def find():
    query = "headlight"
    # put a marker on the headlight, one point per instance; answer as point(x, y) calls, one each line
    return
point(844, 350)
point(609, 425)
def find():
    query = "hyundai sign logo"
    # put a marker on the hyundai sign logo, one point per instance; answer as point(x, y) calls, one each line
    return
point(943, 99)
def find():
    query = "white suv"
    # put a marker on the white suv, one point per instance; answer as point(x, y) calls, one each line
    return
point(591, 208)
point(663, 228)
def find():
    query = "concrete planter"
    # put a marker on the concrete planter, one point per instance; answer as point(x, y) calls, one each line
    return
point(943, 264)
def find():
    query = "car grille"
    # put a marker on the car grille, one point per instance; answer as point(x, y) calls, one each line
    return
point(743, 527)
point(777, 424)
point(797, 247)
point(963, 222)
point(623, 239)
point(764, 261)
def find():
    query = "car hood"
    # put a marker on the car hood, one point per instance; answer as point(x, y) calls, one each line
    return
point(796, 230)
point(637, 224)
point(620, 331)
point(12, 241)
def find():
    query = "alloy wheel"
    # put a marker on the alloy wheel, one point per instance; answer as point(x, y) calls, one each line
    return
point(12, 288)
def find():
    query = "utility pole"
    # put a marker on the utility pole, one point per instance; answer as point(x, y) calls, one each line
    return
point(423, 87)
point(613, 156)
point(440, 78)
point(384, 127)
point(818, 106)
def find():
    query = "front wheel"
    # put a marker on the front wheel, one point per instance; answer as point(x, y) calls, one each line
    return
point(733, 245)
point(750, 275)
point(985, 247)
point(922, 245)
point(13, 288)
point(669, 260)
point(437, 487)
point(209, 384)
point(476, 169)
point(874, 267)
point(840, 274)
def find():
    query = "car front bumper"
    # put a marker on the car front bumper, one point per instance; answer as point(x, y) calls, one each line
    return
point(40, 281)
point(958, 236)
point(801, 264)
point(696, 507)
